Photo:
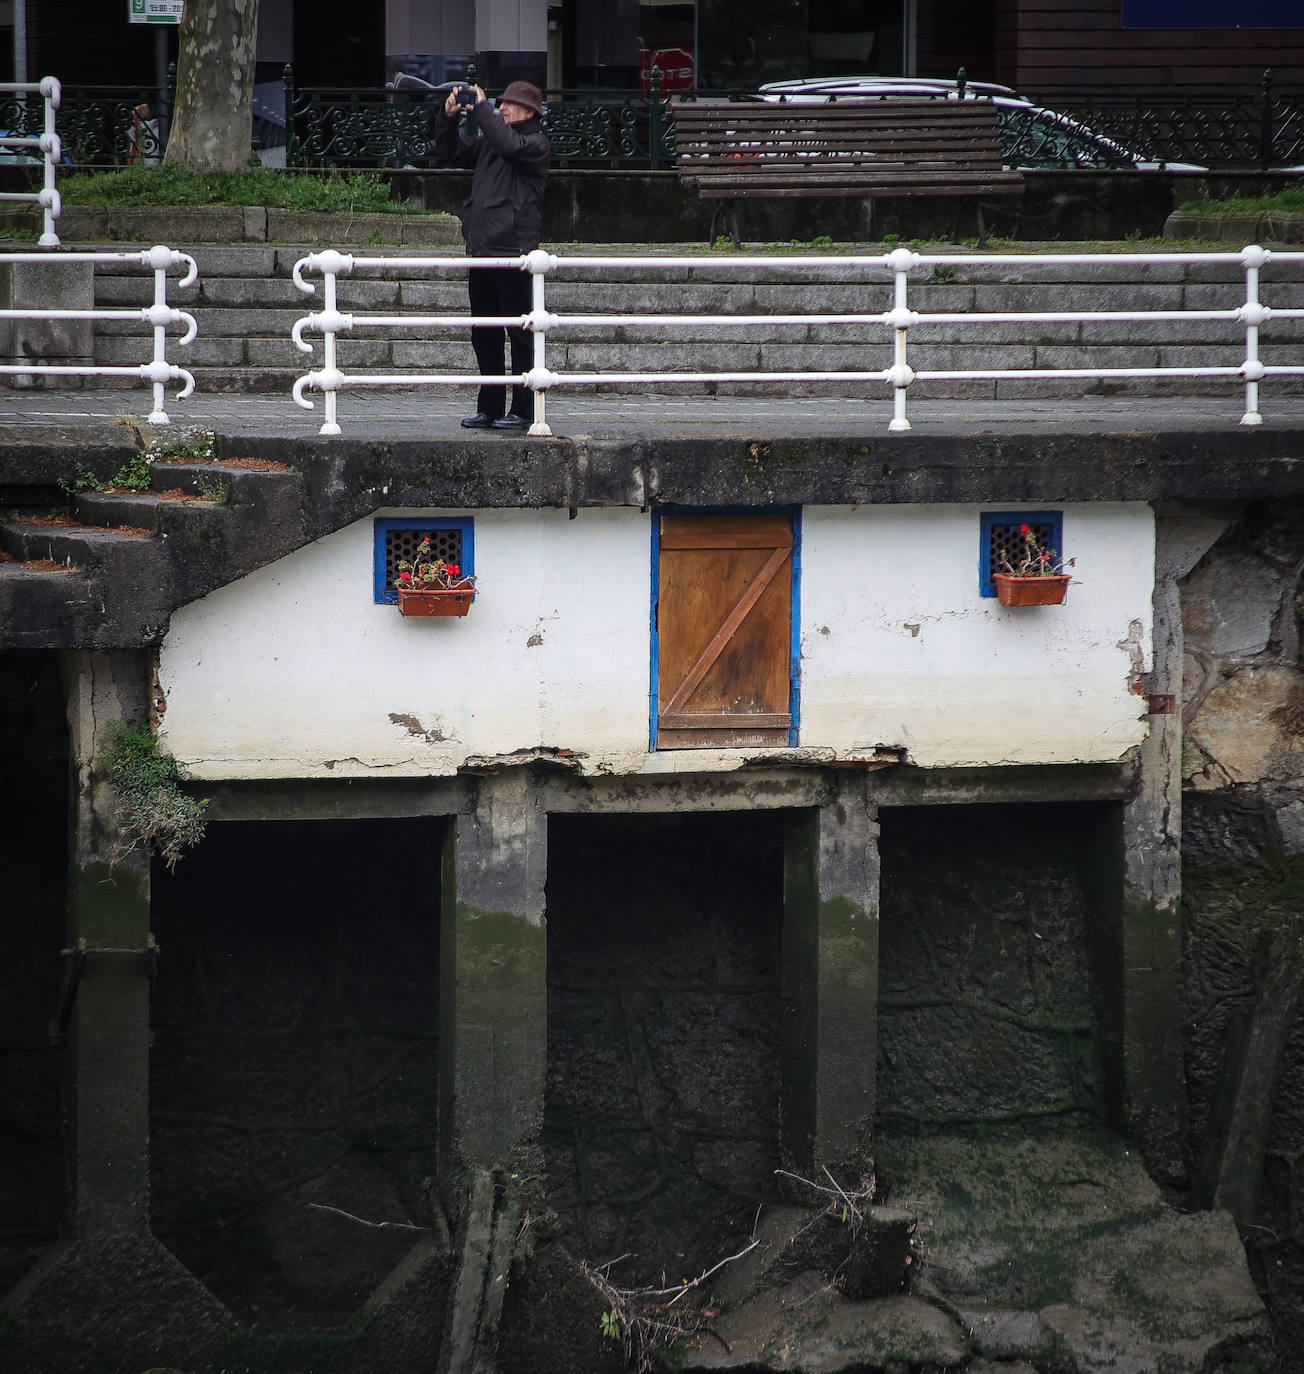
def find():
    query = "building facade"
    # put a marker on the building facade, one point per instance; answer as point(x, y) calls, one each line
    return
point(1038, 46)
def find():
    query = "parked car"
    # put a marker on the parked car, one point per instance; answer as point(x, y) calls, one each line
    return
point(1032, 137)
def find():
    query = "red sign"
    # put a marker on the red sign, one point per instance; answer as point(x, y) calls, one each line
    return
point(678, 70)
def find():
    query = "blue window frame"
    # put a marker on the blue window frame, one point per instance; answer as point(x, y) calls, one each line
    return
point(1000, 535)
point(396, 541)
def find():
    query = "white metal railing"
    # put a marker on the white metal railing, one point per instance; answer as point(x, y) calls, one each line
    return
point(1247, 315)
point(158, 315)
point(47, 144)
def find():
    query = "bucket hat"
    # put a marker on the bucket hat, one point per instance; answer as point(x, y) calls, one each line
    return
point(523, 93)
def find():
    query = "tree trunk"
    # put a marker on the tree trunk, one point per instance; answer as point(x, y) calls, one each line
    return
point(212, 125)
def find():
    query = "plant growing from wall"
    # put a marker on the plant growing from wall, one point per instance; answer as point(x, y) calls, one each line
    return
point(154, 811)
point(134, 474)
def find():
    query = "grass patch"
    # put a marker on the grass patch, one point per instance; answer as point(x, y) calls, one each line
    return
point(1291, 202)
point(334, 191)
point(154, 811)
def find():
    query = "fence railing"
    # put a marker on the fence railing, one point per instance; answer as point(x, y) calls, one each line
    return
point(622, 128)
point(377, 127)
point(35, 135)
point(158, 315)
point(1262, 129)
point(1245, 314)
point(96, 128)
point(635, 129)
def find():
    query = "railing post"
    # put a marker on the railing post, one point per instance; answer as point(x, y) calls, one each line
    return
point(899, 260)
point(51, 153)
point(655, 160)
point(1254, 314)
point(539, 307)
point(961, 81)
point(1266, 131)
point(330, 421)
point(291, 141)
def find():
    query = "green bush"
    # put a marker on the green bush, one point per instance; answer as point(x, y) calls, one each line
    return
point(155, 811)
point(333, 191)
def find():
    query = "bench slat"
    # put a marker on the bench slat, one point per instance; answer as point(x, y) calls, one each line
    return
point(848, 148)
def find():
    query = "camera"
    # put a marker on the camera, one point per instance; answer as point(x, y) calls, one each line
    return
point(466, 96)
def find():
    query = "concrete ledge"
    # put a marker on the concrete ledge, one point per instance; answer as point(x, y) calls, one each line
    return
point(187, 224)
point(1265, 226)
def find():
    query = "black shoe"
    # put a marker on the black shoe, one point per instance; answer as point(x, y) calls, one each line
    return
point(479, 421)
point(510, 421)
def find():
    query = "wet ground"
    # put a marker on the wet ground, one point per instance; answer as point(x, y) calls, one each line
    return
point(436, 411)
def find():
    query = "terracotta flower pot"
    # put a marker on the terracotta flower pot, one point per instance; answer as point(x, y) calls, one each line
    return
point(436, 600)
point(1013, 590)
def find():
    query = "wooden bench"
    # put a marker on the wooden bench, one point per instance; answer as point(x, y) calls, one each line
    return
point(731, 151)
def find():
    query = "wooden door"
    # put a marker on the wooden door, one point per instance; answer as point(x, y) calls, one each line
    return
point(724, 631)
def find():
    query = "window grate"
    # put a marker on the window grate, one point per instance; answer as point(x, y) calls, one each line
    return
point(1006, 543)
point(401, 547)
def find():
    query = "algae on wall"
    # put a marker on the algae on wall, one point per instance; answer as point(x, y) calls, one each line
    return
point(661, 1124)
point(985, 996)
point(1243, 889)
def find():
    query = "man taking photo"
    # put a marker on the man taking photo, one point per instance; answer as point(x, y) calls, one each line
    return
point(503, 218)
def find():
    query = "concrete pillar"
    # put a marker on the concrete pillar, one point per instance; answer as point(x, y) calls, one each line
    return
point(830, 981)
point(108, 932)
point(493, 975)
point(108, 1293)
point(62, 343)
point(511, 26)
point(1153, 1096)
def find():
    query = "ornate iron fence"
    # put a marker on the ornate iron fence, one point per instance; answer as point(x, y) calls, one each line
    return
point(370, 127)
point(384, 127)
point(96, 124)
point(1264, 129)
point(635, 129)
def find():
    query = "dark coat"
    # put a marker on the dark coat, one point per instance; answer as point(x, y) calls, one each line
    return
point(503, 216)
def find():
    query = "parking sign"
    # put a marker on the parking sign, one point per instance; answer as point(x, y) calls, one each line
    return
point(155, 11)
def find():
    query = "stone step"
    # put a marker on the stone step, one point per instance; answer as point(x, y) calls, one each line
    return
point(132, 556)
point(32, 601)
point(147, 510)
point(69, 541)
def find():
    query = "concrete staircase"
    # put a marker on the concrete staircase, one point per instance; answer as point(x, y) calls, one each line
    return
point(107, 571)
point(246, 304)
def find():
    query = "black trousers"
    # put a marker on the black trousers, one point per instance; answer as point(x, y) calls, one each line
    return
point(501, 291)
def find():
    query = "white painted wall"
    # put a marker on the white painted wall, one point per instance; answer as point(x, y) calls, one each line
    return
point(898, 647)
point(294, 671)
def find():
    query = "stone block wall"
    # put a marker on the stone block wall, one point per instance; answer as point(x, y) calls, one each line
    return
point(986, 1010)
point(293, 1078)
point(661, 1129)
point(1243, 856)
